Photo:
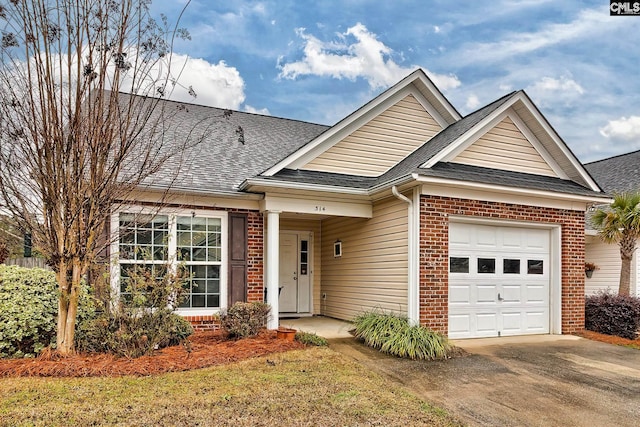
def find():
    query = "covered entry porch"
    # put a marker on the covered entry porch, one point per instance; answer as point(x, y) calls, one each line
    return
point(294, 247)
point(335, 256)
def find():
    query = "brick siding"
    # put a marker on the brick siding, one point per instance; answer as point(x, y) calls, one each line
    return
point(434, 249)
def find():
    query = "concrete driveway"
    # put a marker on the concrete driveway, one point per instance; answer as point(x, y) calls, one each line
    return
point(536, 381)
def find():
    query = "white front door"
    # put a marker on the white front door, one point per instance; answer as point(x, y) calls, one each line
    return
point(295, 272)
point(499, 280)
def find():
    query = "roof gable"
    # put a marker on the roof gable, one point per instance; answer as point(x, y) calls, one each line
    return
point(417, 85)
point(506, 147)
point(550, 155)
point(381, 143)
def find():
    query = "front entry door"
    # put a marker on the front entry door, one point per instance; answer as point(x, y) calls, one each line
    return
point(295, 283)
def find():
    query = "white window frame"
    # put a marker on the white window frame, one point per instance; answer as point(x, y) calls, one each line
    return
point(173, 213)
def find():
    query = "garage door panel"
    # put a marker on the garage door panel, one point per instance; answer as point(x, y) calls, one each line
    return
point(486, 239)
point(511, 293)
point(512, 262)
point(486, 323)
point(512, 239)
point(537, 320)
point(459, 294)
point(537, 294)
point(511, 322)
point(459, 237)
point(537, 241)
point(486, 294)
point(459, 325)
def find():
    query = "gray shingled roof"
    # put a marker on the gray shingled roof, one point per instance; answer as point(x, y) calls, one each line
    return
point(617, 174)
point(501, 177)
point(219, 162)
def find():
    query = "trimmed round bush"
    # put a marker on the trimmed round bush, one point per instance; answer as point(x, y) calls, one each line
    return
point(245, 319)
point(28, 310)
point(613, 314)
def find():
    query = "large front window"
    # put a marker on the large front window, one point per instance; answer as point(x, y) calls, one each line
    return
point(160, 241)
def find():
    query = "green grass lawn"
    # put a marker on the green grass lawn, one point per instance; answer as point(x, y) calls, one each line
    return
point(312, 387)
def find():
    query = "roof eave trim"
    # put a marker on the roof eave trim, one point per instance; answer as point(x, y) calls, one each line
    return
point(247, 184)
point(210, 193)
point(513, 190)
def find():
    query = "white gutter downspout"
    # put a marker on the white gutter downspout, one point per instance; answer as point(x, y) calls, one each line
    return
point(413, 303)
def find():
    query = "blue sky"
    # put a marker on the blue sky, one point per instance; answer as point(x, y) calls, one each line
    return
point(318, 61)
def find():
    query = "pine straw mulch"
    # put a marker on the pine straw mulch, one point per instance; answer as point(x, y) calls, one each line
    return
point(609, 339)
point(204, 349)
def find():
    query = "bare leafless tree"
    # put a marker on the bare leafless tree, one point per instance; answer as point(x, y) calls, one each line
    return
point(71, 145)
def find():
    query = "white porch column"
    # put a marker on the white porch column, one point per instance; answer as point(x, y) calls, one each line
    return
point(273, 266)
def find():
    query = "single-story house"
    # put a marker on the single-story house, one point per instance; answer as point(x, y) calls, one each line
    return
point(472, 226)
point(616, 174)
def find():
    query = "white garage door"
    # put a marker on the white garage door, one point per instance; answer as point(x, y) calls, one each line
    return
point(498, 281)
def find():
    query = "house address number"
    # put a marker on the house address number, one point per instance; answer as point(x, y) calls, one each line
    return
point(320, 208)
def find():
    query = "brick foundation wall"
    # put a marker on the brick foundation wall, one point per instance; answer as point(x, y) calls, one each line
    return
point(434, 254)
point(204, 323)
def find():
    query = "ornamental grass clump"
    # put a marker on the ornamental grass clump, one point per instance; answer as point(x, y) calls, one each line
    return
point(392, 334)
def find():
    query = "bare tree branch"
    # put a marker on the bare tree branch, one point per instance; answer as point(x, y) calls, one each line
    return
point(72, 145)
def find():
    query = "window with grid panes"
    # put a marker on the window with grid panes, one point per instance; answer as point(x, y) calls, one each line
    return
point(195, 242)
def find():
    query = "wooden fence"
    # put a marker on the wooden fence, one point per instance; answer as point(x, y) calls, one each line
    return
point(28, 262)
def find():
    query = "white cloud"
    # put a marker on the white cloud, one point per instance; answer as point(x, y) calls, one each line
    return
point(472, 102)
point(253, 110)
point(625, 128)
point(563, 84)
point(216, 85)
point(363, 57)
point(587, 24)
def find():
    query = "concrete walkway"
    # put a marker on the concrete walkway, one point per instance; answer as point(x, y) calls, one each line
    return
point(533, 381)
point(326, 327)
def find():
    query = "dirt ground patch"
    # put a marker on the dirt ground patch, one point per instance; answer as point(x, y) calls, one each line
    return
point(203, 349)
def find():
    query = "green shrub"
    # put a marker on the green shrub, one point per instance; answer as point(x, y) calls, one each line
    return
point(392, 334)
point(613, 314)
point(28, 310)
point(308, 338)
point(141, 321)
point(245, 319)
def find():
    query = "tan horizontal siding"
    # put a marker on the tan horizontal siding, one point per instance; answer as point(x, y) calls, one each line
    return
point(289, 224)
point(381, 143)
point(505, 147)
point(607, 258)
point(372, 273)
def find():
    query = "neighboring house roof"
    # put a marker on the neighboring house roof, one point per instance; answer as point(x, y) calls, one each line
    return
point(617, 174)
